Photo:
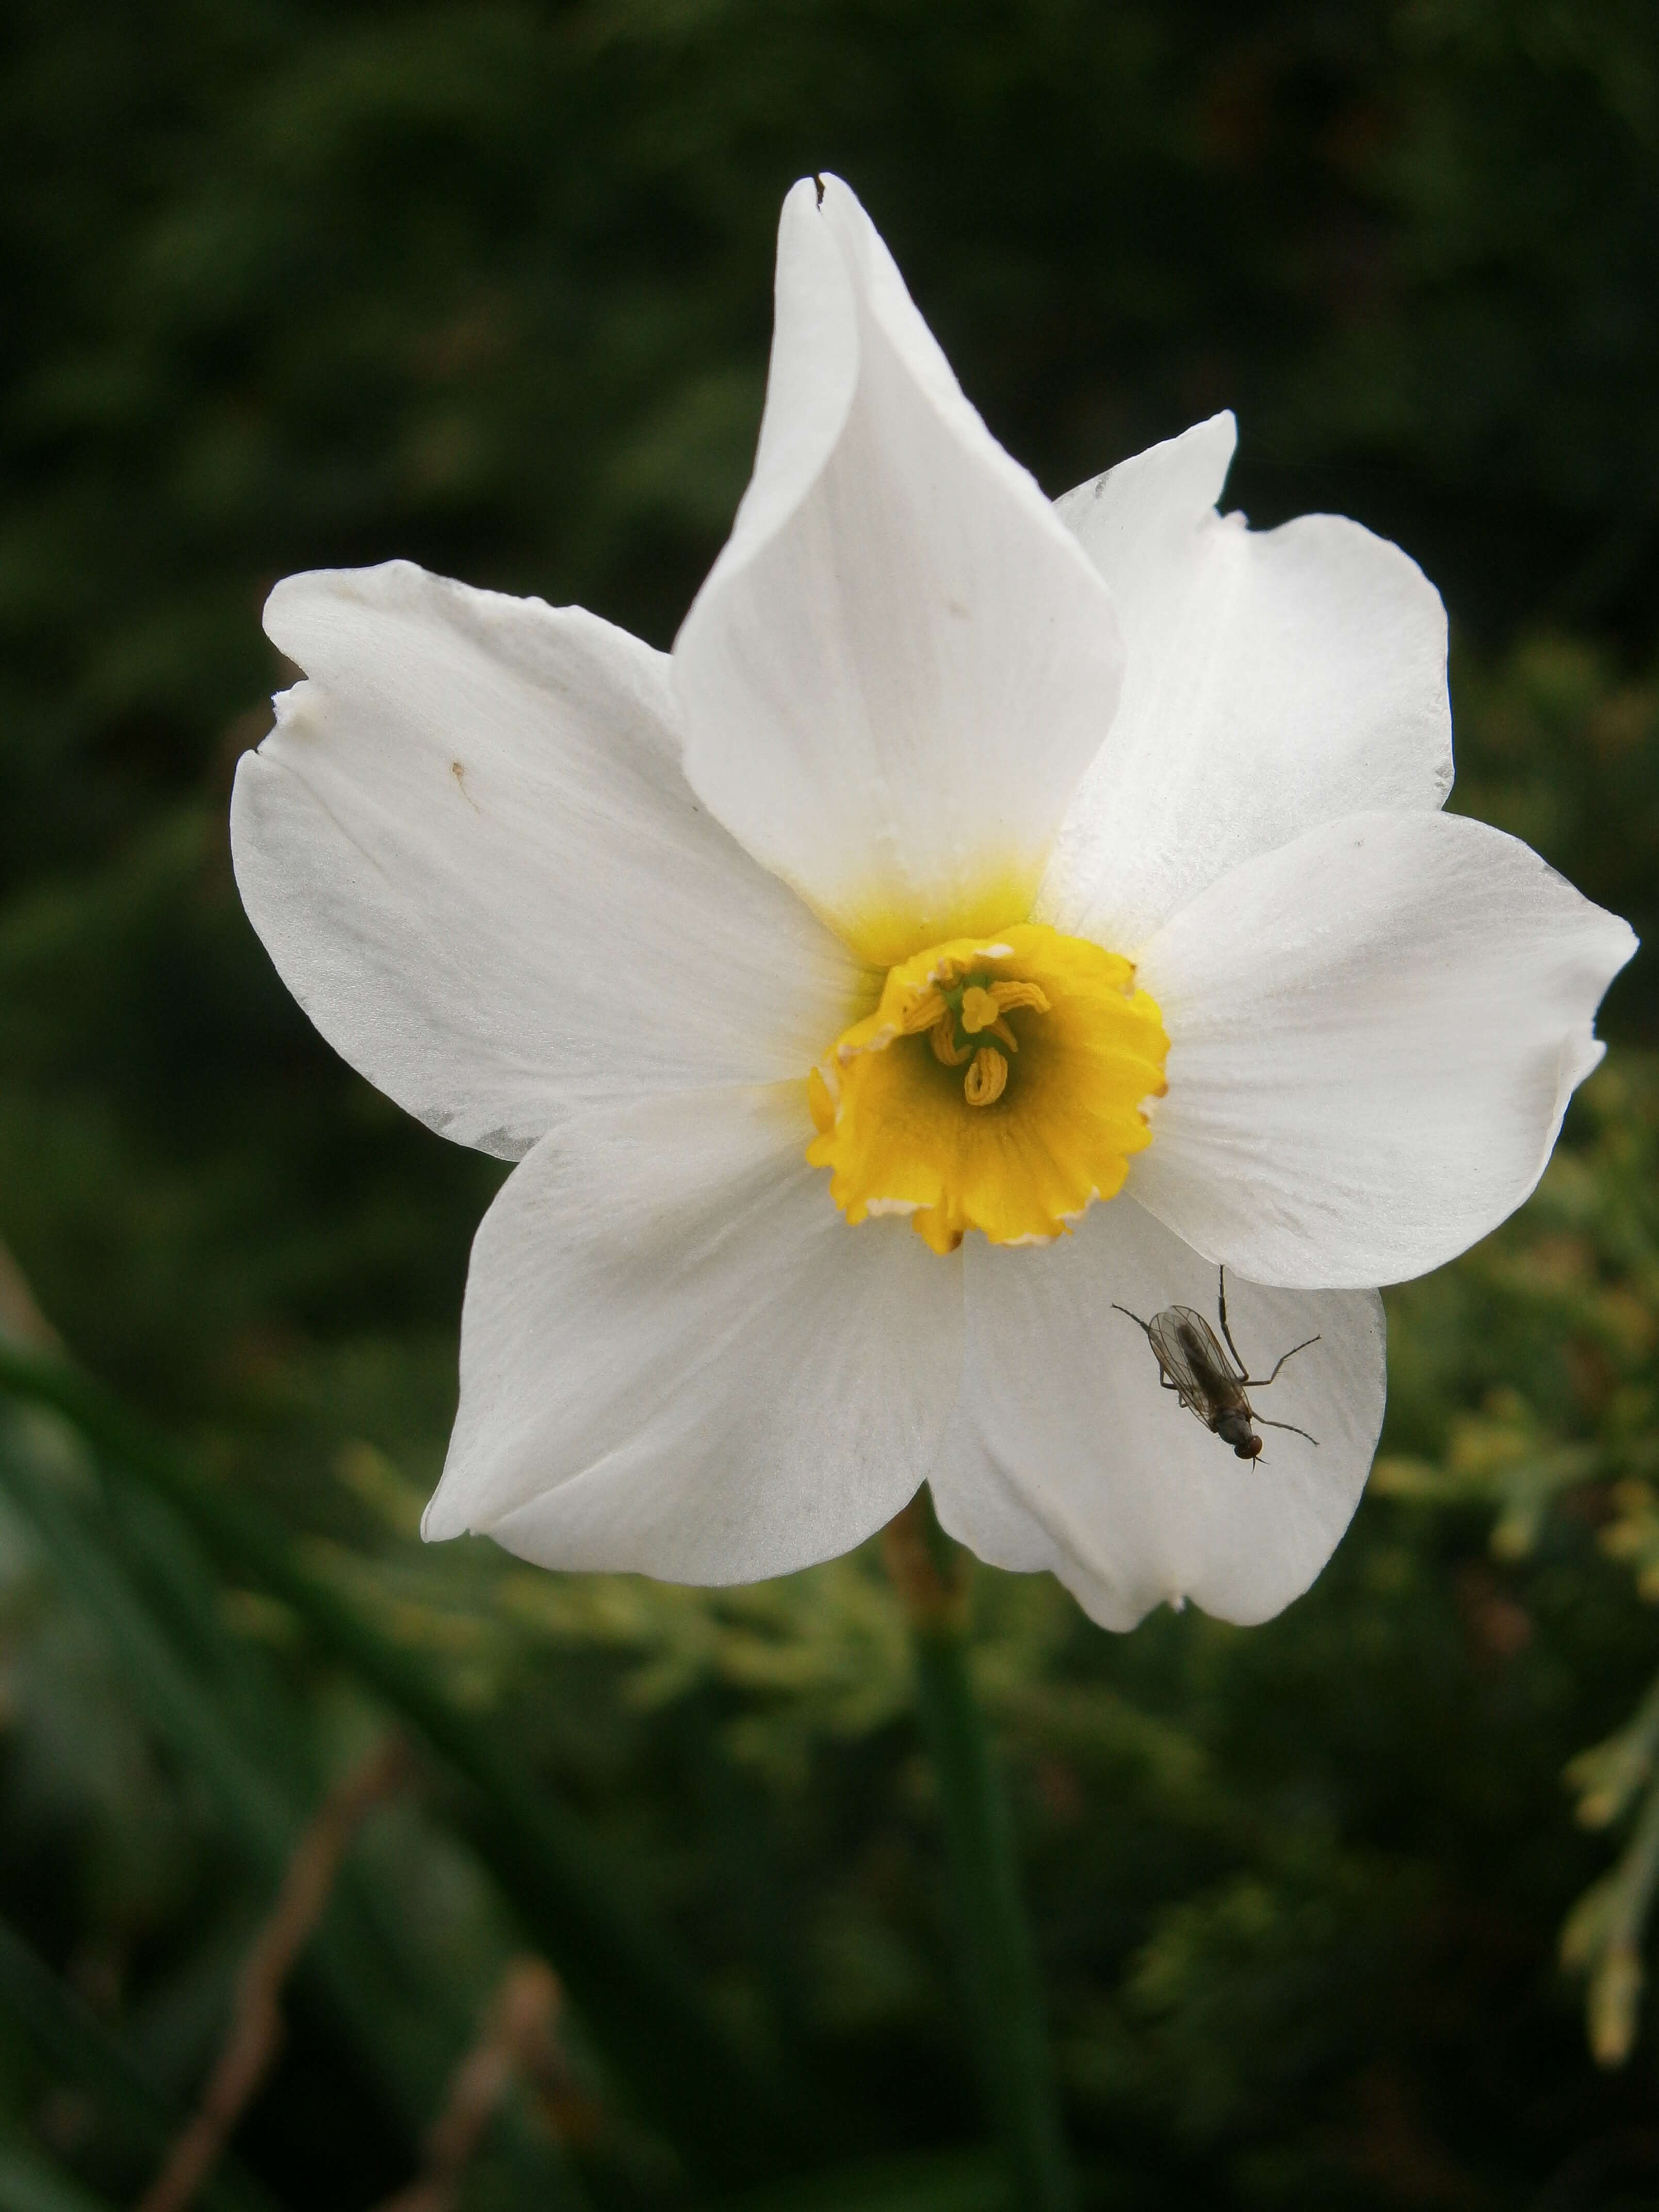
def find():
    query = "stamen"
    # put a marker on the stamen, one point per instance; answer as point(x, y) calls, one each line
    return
point(1019, 993)
point(987, 1078)
point(922, 1012)
point(947, 1050)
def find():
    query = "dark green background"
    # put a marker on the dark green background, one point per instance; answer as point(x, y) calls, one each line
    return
point(288, 286)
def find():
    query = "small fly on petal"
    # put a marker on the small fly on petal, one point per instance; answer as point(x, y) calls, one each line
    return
point(1192, 1364)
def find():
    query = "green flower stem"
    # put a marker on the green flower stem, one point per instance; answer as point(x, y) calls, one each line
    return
point(999, 1962)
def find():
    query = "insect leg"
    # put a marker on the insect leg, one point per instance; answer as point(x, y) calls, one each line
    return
point(1221, 1303)
point(1291, 1425)
point(1135, 1318)
point(1261, 1382)
point(1256, 1382)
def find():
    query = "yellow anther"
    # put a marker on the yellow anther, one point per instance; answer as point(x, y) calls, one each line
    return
point(979, 1009)
point(947, 1050)
point(987, 1078)
point(922, 1012)
point(1019, 993)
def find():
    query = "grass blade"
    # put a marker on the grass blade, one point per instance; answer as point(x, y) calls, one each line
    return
point(732, 2117)
point(59, 2026)
point(262, 1813)
point(29, 2183)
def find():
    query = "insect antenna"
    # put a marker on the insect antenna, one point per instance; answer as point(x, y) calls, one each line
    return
point(1137, 1322)
point(1291, 1425)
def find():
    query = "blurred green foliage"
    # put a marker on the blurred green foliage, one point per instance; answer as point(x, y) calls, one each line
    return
point(291, 285)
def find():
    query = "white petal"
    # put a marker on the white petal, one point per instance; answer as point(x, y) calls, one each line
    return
point(470, 851)
point(1276, 679)
point(1070, 1455)
point(902, 662)
point(1374, 1033)
point(676, 1356)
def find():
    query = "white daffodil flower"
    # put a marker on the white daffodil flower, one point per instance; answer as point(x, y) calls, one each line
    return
point(1067, 884)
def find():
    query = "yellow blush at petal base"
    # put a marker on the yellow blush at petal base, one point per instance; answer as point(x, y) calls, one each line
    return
point(996, 1086)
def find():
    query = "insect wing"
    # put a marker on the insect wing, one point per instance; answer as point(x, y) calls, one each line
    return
point(1192, 1359)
